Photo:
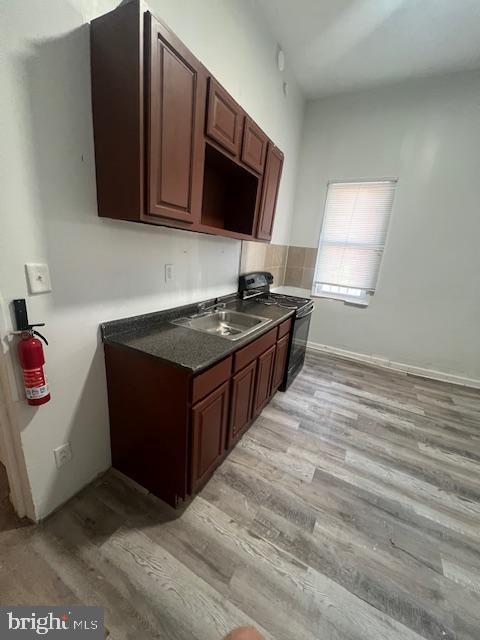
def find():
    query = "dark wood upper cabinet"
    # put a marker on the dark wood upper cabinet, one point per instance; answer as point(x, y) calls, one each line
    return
point(224, 118)
point(172, 147)
point(242, 392)
point(254, 146)
point(280, 362)
point(264, 380)
point(209, 421)
point(271, 184)
point(177, 88)
point(116, 53)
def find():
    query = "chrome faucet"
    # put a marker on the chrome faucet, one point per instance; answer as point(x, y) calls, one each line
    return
point(203, 308)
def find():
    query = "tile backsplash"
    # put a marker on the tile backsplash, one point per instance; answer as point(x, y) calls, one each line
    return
point(289, 265)
point(300, 267)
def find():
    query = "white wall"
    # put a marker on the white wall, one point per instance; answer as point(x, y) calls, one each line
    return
point(103, 269)
point(426, 310)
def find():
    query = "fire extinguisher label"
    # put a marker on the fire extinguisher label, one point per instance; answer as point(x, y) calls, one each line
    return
point(35, 382)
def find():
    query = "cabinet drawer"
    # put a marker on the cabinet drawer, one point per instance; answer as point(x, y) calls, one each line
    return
point(284, 328)
point(211, 379)
point(250, 352)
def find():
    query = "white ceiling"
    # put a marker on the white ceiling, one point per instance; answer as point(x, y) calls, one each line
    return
point(337, 45)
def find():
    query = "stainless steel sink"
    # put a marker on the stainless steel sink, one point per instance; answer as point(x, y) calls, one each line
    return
point(227, 324)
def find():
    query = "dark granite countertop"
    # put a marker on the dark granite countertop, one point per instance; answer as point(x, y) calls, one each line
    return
point(154, 335)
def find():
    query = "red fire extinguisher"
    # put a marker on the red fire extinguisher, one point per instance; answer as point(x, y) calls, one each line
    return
point(32, 360)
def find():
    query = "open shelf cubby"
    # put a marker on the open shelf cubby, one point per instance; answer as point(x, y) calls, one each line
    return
point(229, 193)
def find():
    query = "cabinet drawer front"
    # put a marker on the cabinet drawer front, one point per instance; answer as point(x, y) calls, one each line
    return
point(224, 118)
point(284, 328)
point(280, 362)
point(211, 379)
point(263, 383)
point(209, 430)
point(242, 392)
point(244, 356)
point(254, 147)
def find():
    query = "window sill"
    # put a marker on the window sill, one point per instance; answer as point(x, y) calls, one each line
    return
point(349, 301)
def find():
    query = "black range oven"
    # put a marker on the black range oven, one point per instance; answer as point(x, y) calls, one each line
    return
point(298, 344)
point(257, 285)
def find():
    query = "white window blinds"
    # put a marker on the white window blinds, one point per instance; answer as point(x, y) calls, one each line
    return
point(353, 236)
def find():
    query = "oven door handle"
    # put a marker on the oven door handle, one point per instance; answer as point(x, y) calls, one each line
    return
point(307, 311)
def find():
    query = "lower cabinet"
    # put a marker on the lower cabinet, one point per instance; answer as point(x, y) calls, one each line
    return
point(222, 417)
point(209, 423)
point(242, 391)
point(173, 448)
point(264, 380)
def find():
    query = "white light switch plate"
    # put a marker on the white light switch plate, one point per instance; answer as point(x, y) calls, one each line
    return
point(38, 278)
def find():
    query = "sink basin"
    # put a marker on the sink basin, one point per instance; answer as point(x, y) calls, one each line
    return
point(227, 324)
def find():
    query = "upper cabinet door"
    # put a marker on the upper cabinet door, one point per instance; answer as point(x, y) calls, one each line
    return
point(224, 118)
point(271, 184)
point(254, 148)
point(176, 99)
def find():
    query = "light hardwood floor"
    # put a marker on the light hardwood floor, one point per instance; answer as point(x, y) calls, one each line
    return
point(350, 510)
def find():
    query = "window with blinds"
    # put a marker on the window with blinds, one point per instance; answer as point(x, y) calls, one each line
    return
point(352, 239)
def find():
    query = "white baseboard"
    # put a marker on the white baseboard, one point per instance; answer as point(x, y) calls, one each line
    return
point(384, 363)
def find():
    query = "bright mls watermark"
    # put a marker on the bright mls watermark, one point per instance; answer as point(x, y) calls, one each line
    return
point(59, 622)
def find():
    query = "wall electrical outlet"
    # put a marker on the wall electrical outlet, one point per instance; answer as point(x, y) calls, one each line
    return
point(63, 454)
point(169, 273)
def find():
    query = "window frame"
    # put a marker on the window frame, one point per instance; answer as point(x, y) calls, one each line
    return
point(359, 301)
point(364, 299)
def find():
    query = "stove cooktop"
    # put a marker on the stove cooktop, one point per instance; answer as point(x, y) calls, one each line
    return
point(281, 300)
point(256, 285)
